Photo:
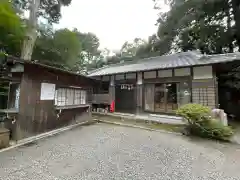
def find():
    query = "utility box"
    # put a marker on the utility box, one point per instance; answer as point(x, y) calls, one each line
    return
point(4, 138)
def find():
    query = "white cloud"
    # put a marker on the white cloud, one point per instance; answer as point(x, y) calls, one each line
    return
point(113, 21)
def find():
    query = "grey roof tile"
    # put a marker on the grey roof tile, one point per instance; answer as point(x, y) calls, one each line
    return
point(184, 59)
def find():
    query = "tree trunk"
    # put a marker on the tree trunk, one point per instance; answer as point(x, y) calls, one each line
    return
point(229, 28)
point(31, 34)
point(236, 16)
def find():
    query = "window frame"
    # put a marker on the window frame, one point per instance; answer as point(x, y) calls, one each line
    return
point(70, 96)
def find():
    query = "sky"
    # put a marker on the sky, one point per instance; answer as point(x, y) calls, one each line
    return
point(113, 21)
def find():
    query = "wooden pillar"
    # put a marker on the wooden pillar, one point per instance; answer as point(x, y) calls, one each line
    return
point(89, 100)
point(112, 89)
point(139, 94)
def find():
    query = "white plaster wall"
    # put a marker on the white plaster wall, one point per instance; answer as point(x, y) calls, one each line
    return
point(120, 77)
point(105, 78)
point(150, 74)
point(131, 76)
point(165, 73)
point(182, 72)
point(202, 72)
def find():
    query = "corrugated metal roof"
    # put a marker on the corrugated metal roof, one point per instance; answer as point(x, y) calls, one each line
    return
point(184, 59)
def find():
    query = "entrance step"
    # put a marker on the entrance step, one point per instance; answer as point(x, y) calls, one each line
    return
point(166, 116)
point(165, 119)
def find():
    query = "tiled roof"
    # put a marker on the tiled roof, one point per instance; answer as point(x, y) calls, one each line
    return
point(184, 59)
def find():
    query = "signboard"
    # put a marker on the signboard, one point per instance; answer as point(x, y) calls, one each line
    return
point(127, 86)
point(47, 91)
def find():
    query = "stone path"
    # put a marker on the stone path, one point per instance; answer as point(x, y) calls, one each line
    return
point(104, 151)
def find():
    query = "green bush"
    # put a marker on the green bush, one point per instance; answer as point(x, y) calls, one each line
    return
point(200, 122)
point(194, 113)
point(216, 130)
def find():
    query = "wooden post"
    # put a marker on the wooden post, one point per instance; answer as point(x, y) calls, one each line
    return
point(112, 89)
point(139, 94)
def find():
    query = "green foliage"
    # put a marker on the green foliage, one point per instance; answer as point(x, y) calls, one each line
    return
point(67, 45)
point(215, 130)
point(72, 50)
point(49, 9)
point(212, 26)
point(60, 47)
point(11, 29)
point(201, 124)
point(129, 49)
point(193, 113)
point(8, 18)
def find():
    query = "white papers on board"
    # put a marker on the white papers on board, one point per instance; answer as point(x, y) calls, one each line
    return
point(47, 91)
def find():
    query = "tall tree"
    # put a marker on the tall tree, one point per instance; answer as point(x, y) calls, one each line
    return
point(212, 26)
point(11, 29)
point(90, 45)
point(129, 49)
point(90, 53)
point(48, 9)
point(58, 48)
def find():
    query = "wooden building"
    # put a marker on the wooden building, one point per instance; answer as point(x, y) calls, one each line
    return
point(164, 83)
point(42, 98)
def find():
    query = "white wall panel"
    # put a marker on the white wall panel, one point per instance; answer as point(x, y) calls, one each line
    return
point(202, 72)
point(182, 72)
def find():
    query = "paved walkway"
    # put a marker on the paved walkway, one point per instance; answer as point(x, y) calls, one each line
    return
point(104, 151)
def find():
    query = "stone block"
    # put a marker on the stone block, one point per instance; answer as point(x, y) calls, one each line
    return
point(4, 138)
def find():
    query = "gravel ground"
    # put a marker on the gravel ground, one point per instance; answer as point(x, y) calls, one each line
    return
point(104, 151)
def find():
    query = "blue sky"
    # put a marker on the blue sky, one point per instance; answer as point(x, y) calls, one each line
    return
point(113, 21)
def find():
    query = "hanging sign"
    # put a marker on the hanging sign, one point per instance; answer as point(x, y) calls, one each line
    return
point(47, 91)
point(127, 86)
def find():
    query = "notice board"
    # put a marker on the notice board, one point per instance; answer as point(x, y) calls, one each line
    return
point(47, 91)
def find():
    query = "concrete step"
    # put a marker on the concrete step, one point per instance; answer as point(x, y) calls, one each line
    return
point(145, 117)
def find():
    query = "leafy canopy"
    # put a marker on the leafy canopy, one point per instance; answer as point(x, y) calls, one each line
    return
point(11, 29)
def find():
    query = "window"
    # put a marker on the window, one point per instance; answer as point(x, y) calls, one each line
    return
point(67, 97)
point(14, 94)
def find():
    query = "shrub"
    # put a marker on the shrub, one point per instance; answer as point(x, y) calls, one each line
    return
point(194, 113)
point(200, 122)
point(216, 130)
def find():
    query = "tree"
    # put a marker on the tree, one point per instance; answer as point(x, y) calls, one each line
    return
point(90, 45)
point(48, 9)
point(212, 26)
point(90, 54)
point(61, 48)
point(11, 29)
point(68, 45)
point(129, 49)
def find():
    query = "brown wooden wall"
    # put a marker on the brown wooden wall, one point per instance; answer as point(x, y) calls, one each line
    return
point(37, 116)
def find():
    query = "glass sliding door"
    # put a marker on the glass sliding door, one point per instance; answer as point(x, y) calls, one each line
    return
point(184, 95)
point(166, 97)
point(160, 98)
point(171, 100)
point(149, 97)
